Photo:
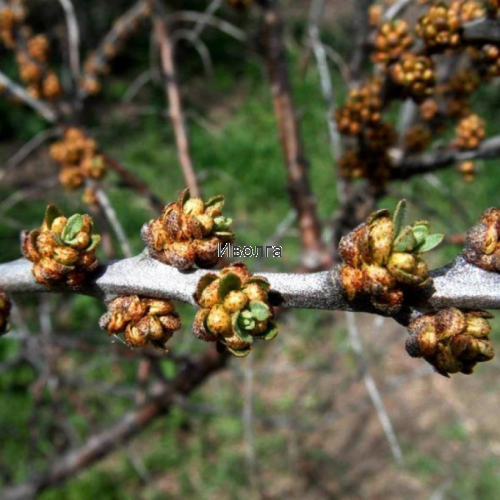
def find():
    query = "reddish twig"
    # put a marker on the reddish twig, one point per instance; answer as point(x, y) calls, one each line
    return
point(314, 251)
point(133, 182)
point(174, 98)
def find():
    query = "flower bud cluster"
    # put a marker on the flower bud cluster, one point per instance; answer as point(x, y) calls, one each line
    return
point(141, 320)
point(31, 51)
point(482, 246)
point(487, 60)
point(188, 232)
point(468, 10)
point(5, 306)
point(458, 91)
point(470, 131)
point(235, 309)
point(12, 14)
point(78, 157)
point(363, 108)
point(451, 340)
point(417, 138)
point(415, 75)
point(439, 28)
point(63, 249)
point(392, 40)
point(96, 64)
point(382, 258)
point(468, 170)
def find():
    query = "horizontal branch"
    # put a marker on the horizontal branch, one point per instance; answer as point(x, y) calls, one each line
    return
point(459, 284)
point(430, 162)
point(481, 30)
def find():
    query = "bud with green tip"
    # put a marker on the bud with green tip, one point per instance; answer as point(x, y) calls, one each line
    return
point(451, 340)
point(188, 232)
point(142, 320)
point(63, 249)
point(235, 310)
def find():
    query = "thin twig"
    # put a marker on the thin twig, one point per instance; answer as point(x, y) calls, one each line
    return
point(317, 8)
point(42, 108)
point(73, 39)
point(208, 20)
point(134, 182)
point(396, 9)
point(372, 388)
point(314, 254)
point(202, 22)
point(112, 218)
point(174, 98)
point(32, 145)
point(136, 86)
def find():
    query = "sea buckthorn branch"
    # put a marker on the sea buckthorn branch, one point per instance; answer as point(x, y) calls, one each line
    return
point(314, 250)
point(459, 284)
point(96, 64)
point(444, 158)
point(172, 91)
point(482, 30)
point(407, 69)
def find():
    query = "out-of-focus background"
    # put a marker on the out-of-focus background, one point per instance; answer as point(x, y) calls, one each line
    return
point(295, 419)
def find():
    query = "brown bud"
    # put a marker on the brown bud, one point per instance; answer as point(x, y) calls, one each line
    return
point(210, 295)
point(170, 322)
point(445, 362)
point(66, 255)
point(199, 330)
point(159, 307)
point(449, 322)
point(352, 281)
point(219, 321)
point(380, 240)
point(194, 206)
point(206, 251)
point(255, 292)
point(235, 301)
point(134, 337)
point(477, 327)
point(377, 280)
point(206, 223)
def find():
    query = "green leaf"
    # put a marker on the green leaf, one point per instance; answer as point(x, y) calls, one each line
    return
point(420, 230)
point(270, 333)
point(240, 353)
point(183, 197)
point(377, 215)
point(399, 218)
point(238, 330)
point(260, 311)
point(221, 223)
point(432, 241)
point(215, 201)
point(228, 283)
point(262, 282)
point(405, 242)
point(94, 242)
point(51, 214)
point(203, 283)
point(72, 228)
